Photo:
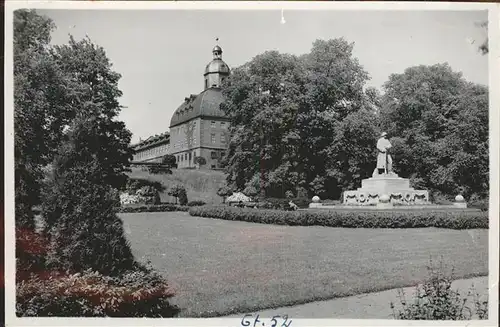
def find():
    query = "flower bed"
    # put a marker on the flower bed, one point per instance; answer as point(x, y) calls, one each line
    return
point(381, 219)
point(90, 294)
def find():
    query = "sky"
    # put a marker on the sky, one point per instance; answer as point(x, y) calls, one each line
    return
point(162, 54)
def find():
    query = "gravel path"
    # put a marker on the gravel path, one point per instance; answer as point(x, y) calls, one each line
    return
point(365, 306)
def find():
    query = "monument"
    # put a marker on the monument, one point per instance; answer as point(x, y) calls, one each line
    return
point(385, 190)
point(385, 187)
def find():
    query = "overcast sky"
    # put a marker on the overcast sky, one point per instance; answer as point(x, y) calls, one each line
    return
point(162, 54)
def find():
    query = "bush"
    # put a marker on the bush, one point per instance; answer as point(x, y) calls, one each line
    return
point(42, 291)
point(134, 184)
point(138, 293)
point(196, 203)
point(435, 300)
point(149, 194)
point(159, 169)
point(179, 192)
point(349, 219)
point(479, 202)
point(153, 208)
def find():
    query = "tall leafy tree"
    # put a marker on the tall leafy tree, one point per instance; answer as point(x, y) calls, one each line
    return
point(439, 124)
point(36, 86)
point(285, 113)
point(94, 100)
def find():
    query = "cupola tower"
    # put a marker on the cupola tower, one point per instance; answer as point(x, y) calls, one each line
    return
point(216, 70)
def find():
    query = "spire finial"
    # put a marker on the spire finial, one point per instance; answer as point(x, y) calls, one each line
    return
point(217, 40)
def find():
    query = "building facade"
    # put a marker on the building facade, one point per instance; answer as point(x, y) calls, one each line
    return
point(198, 127)
point(153, 149)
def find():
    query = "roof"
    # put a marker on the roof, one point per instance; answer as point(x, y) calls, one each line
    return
point(205, 104)
point(152, 141)
point(217, 65)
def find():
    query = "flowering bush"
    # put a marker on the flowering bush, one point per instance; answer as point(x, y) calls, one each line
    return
point(350, 219)
point(436, 300)
point(90, 294)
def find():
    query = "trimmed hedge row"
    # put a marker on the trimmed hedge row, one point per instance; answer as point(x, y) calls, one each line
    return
point(349, 219)
point(153, 208)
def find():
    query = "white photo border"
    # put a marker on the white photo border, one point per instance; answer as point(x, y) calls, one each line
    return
point(494, 117)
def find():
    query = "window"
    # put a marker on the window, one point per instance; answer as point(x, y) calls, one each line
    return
point(189, 156)
point(213, 155)
point(212, 124)
point(213, 166)
point(206, 83)
point(223, 138)
point(223, 154)
point(223, 124)
point(212, 138)
point(185, 156)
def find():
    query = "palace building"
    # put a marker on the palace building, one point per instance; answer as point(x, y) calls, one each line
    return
point(198, 127)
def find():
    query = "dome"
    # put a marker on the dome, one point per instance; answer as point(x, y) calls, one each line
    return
point(217, 66)
point(217, 49)
point(202, 105)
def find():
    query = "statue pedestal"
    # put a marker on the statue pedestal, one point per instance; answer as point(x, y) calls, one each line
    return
point(396, 188)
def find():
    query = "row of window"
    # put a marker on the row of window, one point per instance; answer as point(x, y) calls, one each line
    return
point(222, 138)
point(213, 140)
point(188, 156)
point(184, 143)
point(162, 149)
point(192, 124)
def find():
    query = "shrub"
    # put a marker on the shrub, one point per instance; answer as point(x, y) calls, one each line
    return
point(200, 161)
point(134, 184)
point(179, 192)
point(150, 194)
point(435, 300)
point(80, 217)
point(183, 199)
point(138, 293)
point(159, 169)
point(42, 291)
point(349, 219)
point(196, 203)
point(224, 191)
point(479, 203)
point(153, 208)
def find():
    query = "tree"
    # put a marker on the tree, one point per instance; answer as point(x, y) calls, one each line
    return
point(440, 124)
point(80, 208)
point(32, 108)
point(52, 84)
point(224, 191)
point(284, 111)
point(179, 192)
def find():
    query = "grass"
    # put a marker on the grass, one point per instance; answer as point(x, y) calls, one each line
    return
point(200, 184)
point(220, 267)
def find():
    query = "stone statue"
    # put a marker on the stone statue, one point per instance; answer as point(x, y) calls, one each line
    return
point(384, 160)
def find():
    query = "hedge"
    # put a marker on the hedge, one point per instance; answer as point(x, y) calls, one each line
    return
point(349, 219)
point(153, 208)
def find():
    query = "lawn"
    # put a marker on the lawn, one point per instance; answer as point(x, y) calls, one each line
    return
point(220, 267)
